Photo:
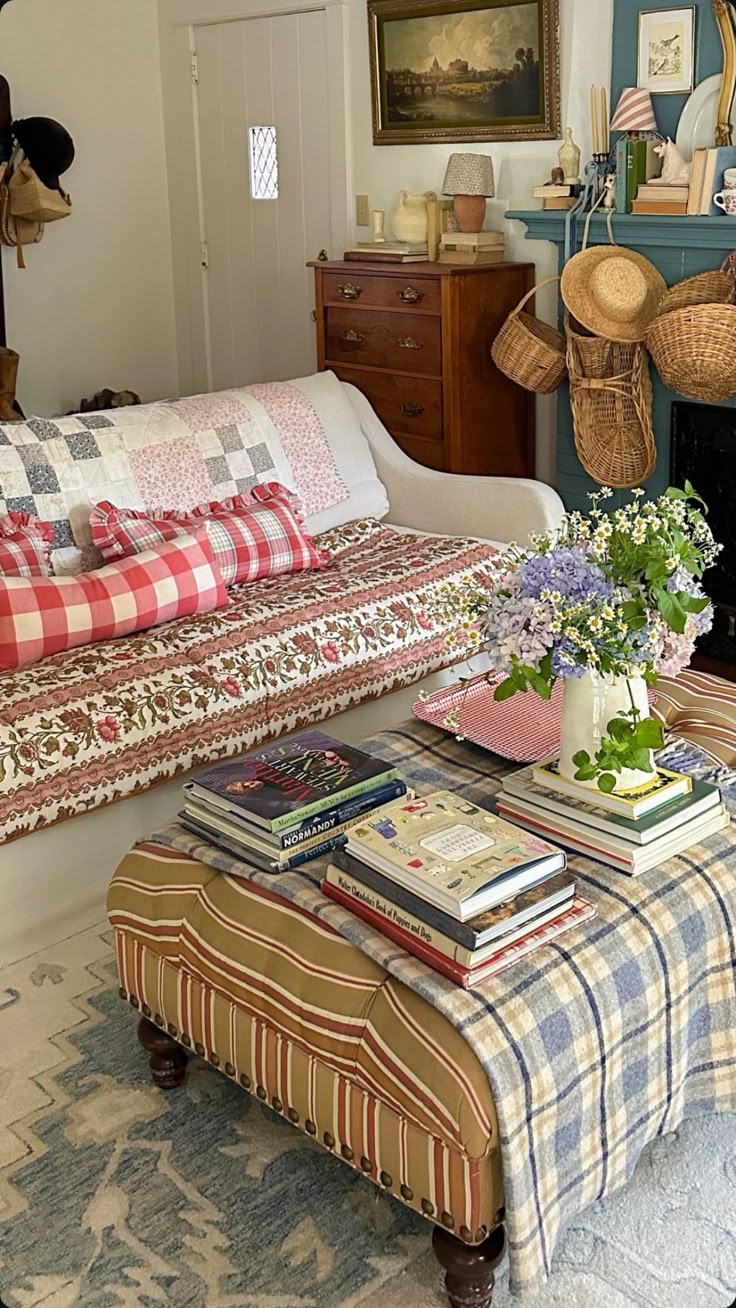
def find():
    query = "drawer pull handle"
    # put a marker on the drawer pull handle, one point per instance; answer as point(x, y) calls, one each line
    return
point(352, 337)
point(410, 295)
point(411, 409)
point(349, 291)
point(409, 343)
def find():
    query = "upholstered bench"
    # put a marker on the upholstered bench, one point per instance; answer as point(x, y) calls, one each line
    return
point(272, 994)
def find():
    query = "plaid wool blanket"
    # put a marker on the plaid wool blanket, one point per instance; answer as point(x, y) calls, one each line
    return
point(595, 1044)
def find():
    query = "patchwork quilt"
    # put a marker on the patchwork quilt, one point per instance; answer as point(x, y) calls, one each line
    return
point(97, 724)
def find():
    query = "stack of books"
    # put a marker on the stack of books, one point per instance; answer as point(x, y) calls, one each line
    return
point(661, 198)
point(563, 196)
point(292, 801)
point(630, 830)
point(386, 252)
point(455, 885)
point(472, 247)
point(706, 178)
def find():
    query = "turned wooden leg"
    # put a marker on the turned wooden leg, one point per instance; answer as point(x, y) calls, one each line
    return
point(470, 1268)
point(168, 1060)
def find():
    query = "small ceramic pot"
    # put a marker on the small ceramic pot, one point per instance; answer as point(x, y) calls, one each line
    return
point(409, 219)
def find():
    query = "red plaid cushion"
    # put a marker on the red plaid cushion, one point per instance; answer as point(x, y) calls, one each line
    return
point(43, 615)
point(25, 546)
point(252, 536)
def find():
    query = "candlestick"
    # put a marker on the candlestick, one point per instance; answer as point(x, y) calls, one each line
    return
point(594, 120)
point(606, 142)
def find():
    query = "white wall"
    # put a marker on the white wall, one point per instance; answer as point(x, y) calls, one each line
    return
point(94, 307)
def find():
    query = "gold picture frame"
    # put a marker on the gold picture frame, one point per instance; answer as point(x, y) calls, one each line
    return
point(416, 99)
point(725, 16)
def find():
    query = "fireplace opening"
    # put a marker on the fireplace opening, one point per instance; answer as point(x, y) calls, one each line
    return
point(704, 452)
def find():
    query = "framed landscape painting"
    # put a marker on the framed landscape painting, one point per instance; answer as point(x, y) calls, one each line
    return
point(464, 70)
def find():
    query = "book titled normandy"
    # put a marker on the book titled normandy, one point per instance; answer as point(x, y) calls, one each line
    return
point(285, 783)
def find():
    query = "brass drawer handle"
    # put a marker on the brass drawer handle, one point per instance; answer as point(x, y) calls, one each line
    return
point(349, 291)
point(409, 343)
point(410, 295)
point(411, 409)
point(352, 337)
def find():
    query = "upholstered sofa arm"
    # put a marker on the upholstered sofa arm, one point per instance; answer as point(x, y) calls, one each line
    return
point(495, 508)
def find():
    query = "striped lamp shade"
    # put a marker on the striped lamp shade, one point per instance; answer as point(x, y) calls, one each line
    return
point(634, 111)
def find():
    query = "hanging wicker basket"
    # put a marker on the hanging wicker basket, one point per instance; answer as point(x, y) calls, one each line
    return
point(694, 350)
point(716, 287)
point(611, 402)
point(529, 351)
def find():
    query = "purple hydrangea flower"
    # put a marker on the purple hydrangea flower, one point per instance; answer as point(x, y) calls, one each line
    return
point(568, 571)
point(566, 660)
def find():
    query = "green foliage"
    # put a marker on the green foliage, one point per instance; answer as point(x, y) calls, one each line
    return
point(627, 745)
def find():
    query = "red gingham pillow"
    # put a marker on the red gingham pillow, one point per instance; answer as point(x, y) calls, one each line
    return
point(43, 615)
point(252, 536)
point(25, 546)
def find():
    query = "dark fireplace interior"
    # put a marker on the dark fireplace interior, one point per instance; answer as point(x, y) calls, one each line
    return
point(704, 452)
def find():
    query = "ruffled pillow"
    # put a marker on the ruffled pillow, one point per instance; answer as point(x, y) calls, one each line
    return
point(25, 546)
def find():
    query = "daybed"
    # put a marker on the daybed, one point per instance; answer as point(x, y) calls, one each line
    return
point(83, 729)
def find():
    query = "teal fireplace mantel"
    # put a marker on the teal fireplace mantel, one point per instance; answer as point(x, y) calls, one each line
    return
point(679, 247)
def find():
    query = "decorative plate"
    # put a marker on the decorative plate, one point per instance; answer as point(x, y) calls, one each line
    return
point(696, 129)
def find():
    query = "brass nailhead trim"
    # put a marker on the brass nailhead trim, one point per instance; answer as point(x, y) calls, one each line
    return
point(134, 1001)
point(448, 1220)
point(293, 1115)
point(123, 993)
point(277, 1104)
point(186, 1040)
point(245, 1081)
point(146, 1011)
point(260, 1091)
point(311, 1127)
point(171, 1030)
point(347, 1153)
point(386, 1180)
point(159, 1020)
point(199, 1048)
point(500, 1216)
point(215, 1060)
point(480, 1235)
point(229, 1069)
point(366, 1164)
point(466, 1234)
point(329, 1140)
point(427, 1208)
point(407, 1194)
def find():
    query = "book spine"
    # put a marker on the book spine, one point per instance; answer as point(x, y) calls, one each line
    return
point(622, 170)
point(401, 918)
point(254, 856)
point(637, 170)
point(404, 939)
point(343, 813)
point(327, 802)
point(406, 899)
point(296, 860)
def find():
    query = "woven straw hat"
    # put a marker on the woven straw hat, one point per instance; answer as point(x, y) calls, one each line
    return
point(613, 292)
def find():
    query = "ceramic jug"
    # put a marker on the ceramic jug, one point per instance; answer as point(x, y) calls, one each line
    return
point(569, 157)
point(409, 219)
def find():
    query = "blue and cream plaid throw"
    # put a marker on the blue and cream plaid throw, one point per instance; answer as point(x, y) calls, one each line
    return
point(597, 1043)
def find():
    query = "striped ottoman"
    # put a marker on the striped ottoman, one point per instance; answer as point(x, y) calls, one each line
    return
point(276, 1000)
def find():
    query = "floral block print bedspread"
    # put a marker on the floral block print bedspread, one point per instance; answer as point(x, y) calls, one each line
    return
point(98, 724)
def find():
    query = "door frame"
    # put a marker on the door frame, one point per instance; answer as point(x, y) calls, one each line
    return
point(178, 24)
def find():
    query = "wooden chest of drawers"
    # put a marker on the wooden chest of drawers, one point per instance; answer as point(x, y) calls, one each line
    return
point(416, 339)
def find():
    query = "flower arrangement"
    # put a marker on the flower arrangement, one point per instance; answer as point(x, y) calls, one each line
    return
point(614, 594)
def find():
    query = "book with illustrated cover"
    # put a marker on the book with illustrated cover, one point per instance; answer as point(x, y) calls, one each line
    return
point(583, 808)
point(478, 931)
point(634, 803)
point(282, 784)
point(504, 931)
point(452, 853)
point(574, 915)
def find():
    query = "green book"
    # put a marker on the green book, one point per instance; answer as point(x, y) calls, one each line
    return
point(622, 173)
point(637, 170)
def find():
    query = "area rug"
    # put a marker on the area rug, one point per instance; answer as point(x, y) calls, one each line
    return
point(114, 1194)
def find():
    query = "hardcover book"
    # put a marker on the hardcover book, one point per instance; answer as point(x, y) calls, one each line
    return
point(284, 783)
point(452, 853)
point(634, 803)
point(252, 857)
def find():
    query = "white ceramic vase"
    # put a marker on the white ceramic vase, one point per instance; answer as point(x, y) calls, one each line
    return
point(588, 705)
point(409, 218)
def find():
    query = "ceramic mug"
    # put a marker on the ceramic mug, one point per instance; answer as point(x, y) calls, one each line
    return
point(726, 200)
point(729, 179)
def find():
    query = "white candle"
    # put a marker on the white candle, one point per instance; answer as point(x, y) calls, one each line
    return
point(594, 120)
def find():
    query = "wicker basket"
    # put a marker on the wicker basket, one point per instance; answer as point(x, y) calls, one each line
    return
point(611, 402)
point(530, 352)
point(694, 350)
point(717, 287)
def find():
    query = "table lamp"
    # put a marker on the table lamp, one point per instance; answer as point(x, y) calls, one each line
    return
point(469, 180)
point(634, 112)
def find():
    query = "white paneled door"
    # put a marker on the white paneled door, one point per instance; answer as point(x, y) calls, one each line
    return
point(266, 203)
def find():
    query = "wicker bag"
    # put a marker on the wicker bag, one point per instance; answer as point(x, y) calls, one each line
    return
point(694, 350)
point(31, 200)
point(611, 402)
point(529, 351)
point(716, 287)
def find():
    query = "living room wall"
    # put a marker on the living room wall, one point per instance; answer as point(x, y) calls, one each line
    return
point(94, 307)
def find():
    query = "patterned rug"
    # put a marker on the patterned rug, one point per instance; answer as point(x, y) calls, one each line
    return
point(113, 1194)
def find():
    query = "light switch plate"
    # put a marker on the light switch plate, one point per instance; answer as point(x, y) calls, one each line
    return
point(362, 211)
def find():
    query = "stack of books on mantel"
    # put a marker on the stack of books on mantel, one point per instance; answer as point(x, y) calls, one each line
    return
point(386, 252)
point(553, 196)
point(472, 247)
point(455, 885)
point(631, 830)
point(290, 802)
point(661, 198)
point(706, 179)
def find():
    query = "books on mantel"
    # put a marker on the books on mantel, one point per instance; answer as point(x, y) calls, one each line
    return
point(706, 178)
point(386, 252)
point(287, 803)
point(455, 885)
point(661, 198)
point(681, 813)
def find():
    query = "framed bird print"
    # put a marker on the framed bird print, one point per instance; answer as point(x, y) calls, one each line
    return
point(667, 50)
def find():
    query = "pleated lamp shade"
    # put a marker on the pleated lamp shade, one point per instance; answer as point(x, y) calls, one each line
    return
point(469, 174)
point(634, 111)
